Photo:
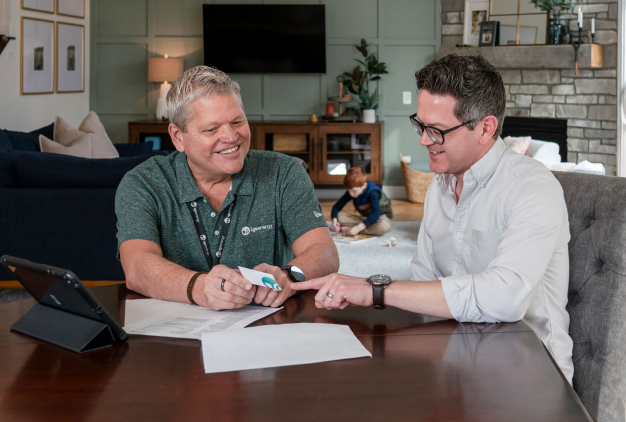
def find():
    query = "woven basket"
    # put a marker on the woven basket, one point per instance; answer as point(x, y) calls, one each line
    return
point(415, 182)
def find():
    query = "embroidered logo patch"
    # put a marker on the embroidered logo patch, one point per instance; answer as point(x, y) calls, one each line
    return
point(317, 214)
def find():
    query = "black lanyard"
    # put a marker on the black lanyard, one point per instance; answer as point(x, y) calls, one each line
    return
point(204, 240)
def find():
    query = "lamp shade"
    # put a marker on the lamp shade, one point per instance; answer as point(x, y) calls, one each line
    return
point(164, 70)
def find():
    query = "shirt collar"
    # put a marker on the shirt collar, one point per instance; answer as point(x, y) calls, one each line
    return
point(481, 171)
point(188, 190)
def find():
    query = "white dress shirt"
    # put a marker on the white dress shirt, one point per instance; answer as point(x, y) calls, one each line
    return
point(501, 251)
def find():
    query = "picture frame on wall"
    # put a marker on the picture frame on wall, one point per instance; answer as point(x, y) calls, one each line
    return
point(44, 6)
point(476, 11)
point(489, 34)
point(37, 57)
point(72, 8)
point(70, 63)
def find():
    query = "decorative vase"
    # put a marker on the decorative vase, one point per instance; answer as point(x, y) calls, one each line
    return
point(554, 31)
point(369, 116)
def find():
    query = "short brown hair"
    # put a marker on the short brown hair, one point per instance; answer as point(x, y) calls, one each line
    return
point(197, 82)
point(474, 83)
point(355, 178)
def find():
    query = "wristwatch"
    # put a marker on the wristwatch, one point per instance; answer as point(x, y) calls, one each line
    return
point(379, 282)
point(294, 273)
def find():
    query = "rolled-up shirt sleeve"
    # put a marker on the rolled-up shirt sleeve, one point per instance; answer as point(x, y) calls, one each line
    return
point(503, 291)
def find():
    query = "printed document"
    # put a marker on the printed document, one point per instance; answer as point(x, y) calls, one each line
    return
point(153, 317)
point(269, 346)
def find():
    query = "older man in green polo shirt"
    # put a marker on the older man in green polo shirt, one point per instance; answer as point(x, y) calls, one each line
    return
point(188, 220)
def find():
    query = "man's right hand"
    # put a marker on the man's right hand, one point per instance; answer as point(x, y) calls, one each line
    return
point(238, 292)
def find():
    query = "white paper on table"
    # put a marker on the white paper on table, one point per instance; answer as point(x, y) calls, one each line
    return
point(183, 320)
point(279, 345)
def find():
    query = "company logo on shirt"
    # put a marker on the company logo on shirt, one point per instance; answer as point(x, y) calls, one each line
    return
point(317, 214)
point(247, 230)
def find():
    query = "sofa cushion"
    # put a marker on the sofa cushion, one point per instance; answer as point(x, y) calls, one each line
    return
point(80, 147)
point(44, 170)
point(8, 178)
point(23, 141)
point(542, 150)
point(102, 145)
point(134, 149)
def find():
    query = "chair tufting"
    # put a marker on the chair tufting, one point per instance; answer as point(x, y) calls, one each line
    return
point(597, 290)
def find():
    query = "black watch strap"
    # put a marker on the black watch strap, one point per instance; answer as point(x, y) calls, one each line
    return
point(379, 296)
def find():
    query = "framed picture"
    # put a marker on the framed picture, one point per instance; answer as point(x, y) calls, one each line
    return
point(45, 6)
point(527, 35)
point(73, 8)
point(37, 64)
point(70, 57)
point(476, 11)
point(489, 34)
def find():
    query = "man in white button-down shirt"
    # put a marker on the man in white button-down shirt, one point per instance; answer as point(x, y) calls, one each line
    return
point(492, 246)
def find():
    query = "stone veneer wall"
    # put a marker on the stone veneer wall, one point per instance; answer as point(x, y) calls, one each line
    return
point(587, 101)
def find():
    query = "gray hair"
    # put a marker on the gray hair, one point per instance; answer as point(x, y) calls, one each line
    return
point(474, 83)
point(197, 82)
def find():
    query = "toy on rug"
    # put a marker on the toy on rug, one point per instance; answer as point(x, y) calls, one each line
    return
point(392, 243)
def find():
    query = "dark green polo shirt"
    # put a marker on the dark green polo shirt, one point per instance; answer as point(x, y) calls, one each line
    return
point(275, 204)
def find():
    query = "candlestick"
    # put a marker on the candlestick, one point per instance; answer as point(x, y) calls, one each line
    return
point(580, 18)
point(577, 46)
point(593, 26)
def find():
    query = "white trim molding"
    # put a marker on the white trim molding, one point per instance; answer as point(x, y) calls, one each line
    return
point(621, 90)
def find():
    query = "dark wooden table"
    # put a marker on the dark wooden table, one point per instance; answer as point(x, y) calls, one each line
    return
point(422, 369)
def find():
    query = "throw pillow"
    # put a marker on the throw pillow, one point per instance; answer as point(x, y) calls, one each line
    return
point(81, 147)
point(23, 141)
point(559, 166)
point(90, 131)
point(518, 144)
point(542, 150)
point(102, 145)
point(5, 142)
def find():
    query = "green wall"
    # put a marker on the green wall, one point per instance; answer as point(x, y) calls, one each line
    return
point(405, 33)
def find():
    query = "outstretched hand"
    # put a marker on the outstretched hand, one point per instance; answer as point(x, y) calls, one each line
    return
point(344, 289)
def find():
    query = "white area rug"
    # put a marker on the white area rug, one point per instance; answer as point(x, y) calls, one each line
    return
point(374, 257)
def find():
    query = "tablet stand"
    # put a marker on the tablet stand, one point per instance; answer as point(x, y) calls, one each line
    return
point(64, 329)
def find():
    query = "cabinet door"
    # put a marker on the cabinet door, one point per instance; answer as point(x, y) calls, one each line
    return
point(294, 140)
point(345, 146)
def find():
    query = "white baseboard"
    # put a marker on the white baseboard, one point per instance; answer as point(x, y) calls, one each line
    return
point(392, 192)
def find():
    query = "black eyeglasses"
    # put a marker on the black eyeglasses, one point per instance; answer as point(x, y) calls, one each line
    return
point(433, 133)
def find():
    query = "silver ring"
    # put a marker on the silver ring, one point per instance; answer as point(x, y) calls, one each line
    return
point(330, 295)
point(222, 287)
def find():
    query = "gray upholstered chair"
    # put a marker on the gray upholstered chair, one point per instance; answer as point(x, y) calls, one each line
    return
point(597, 290)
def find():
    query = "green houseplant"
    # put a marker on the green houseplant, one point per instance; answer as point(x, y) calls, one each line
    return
point(554, 8)
point(358, 82)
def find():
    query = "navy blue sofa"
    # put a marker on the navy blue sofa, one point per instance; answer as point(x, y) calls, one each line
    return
point(59, 210)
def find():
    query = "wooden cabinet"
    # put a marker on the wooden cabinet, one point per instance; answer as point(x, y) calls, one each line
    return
point(328, 149)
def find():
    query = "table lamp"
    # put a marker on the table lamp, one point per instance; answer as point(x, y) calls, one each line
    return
point(164, 70)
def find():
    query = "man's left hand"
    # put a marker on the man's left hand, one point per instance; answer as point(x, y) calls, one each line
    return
point(345, 290)
point(268, 297)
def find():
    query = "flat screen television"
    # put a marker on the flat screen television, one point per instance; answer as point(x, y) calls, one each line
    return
point(265, 38)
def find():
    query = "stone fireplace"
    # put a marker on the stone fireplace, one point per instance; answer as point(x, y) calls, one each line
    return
point(540, 81)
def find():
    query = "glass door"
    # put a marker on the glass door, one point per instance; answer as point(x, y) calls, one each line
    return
point(344, 146)
point(294, 140)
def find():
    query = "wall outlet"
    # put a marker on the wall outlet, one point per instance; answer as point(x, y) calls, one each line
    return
point(406, 97)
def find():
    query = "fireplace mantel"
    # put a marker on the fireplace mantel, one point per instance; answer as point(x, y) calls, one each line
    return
point(535, 56)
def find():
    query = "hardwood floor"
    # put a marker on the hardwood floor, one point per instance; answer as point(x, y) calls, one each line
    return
point(403, 210)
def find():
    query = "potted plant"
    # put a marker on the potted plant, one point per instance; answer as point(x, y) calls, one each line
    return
point(358, 81)
point(554, 7)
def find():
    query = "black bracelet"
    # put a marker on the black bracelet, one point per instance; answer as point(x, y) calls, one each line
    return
point(190, 286)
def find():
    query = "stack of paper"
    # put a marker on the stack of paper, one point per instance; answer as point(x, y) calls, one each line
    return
point(153, 317)
point(279, 345)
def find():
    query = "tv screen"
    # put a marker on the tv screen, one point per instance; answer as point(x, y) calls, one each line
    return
point(265, 38)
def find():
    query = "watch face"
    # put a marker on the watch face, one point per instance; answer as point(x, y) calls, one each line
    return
point(297, 273)
point(379, 280)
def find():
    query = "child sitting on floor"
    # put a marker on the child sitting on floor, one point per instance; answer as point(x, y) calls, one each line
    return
point(369, 200)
